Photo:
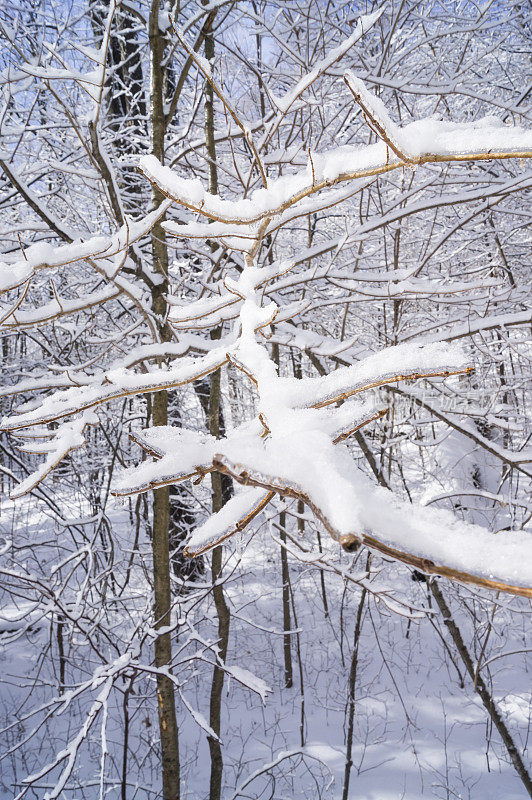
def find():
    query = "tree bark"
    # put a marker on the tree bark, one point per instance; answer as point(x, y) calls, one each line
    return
point(219, 492)
point(163, 643)
point(285, 576)
point(222, 609)
point(480, 686)
point(351, 699)
point(161, 497)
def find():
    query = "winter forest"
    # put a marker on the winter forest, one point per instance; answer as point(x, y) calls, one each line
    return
point(266, 435)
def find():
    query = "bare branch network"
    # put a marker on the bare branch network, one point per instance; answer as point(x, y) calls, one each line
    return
point(294, 446)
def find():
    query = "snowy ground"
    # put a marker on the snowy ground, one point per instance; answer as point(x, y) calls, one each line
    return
point(418, 734)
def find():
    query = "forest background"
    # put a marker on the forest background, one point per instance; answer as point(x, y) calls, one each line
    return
point(277, 664)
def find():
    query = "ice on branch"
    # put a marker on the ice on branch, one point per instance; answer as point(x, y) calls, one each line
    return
point(378, 117)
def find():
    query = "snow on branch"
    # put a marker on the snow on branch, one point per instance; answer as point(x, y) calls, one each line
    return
point(68, 437)
point(363, 25)
point(299, 452)
point(232, 518)
point(300, 407)
point(58, 307)
point(103, 248)
point(377, 117)
point(178, 454)
point(283, 755)
point(113, 384)
point(402, 362)
point(420, 142)
point(356, 512)
point(294, 445)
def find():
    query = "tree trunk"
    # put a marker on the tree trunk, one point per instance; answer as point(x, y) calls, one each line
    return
point(161, 497)
point(222, 609)
point(480, 687)
point(219, 491)
point(163, 643)
point(351, 698)
point(285, 576)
